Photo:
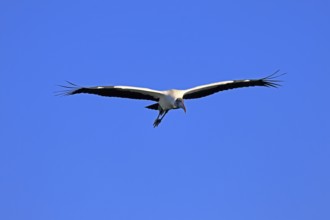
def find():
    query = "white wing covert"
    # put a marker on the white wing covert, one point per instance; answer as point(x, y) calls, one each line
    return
point(116, 91)
point(209, 89)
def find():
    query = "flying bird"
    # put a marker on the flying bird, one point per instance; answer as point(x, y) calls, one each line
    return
point(173, 98)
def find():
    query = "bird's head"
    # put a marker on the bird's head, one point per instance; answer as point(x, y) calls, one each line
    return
point(179, 103)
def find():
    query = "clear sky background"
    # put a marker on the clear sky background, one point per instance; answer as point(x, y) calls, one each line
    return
point(250, 153)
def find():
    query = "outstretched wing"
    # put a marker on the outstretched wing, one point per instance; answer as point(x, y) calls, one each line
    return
point(209, 89)
point(115, 91)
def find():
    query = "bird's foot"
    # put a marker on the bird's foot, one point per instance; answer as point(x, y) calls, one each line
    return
point(157, 122)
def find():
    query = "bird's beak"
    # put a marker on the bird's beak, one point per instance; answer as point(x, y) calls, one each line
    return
point(183, 107)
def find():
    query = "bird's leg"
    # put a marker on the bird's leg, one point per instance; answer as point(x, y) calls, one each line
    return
point(162, 115)
point(157, 121)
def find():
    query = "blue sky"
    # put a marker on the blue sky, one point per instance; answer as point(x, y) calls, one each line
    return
point(251, 153)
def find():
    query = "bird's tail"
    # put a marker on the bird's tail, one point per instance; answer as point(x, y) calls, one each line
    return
point(153, 106)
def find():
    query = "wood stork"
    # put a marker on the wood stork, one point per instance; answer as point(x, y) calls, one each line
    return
point(173, 98)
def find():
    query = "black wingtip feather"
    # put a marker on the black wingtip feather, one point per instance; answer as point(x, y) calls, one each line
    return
point(70, 89)
point(272, 80)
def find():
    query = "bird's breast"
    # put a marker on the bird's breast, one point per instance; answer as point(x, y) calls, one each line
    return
point(168, 101)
